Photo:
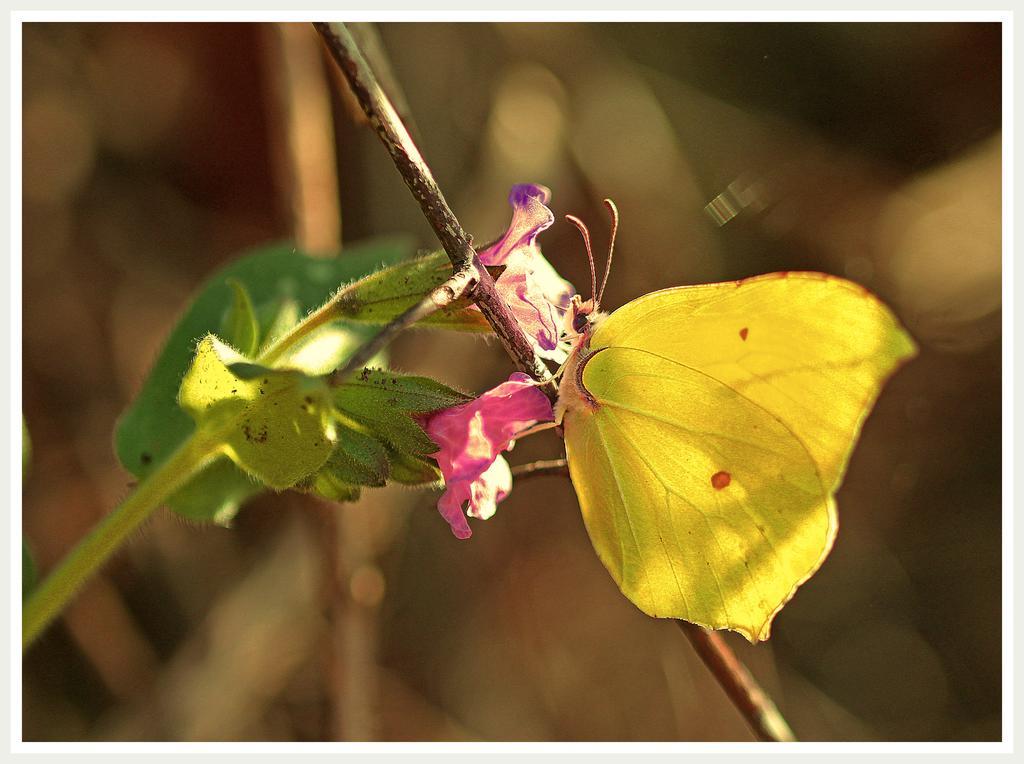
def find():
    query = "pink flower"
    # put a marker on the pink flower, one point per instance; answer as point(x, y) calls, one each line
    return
point(530, 285)
point(471, 438)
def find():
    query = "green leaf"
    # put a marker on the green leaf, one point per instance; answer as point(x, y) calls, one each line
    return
point(410, 469)
point(414, 394)
point(240, 326)
point(359, 459)
point(378, 439)
point(394, 445)
point(29, 573)
point(382, 296)
point(328, 485)
point(384, 401)
point(276, 425)
point(282, 284)
point(216, 493)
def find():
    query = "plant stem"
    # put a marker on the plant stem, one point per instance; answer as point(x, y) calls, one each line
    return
point(540, 469)
point(417, 176)
point(743, 690)
point(322, 316)
point(440, 297)
point(53, 594)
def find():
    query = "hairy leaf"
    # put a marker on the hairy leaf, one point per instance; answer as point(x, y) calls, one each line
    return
point(278, 317)
point(282, 284)
point(418, 395)
point(328, 485)
point(410, 469)
point(384, 401)
point(384, 295)
point(358, 460)
point(276, 425)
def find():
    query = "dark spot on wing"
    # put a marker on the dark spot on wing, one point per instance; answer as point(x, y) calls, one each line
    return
point(146, 457)
point(720, 480)
point(743, 333)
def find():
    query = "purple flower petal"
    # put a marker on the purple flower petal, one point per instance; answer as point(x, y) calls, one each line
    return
point(471, 438)
point(530, 216)
point(534, 311)
point(530, 284)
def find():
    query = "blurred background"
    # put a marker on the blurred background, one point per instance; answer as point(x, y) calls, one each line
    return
point(154, 153)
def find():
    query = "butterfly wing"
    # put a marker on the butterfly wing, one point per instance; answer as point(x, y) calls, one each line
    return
point(724, 418)
point(701, 504)
point(814, 350)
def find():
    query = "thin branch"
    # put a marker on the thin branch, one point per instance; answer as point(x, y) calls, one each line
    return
point(368, 39)
point(748, 697)
point(457, 285)
point(541, 469)
point(417, 176)
point(743, 690)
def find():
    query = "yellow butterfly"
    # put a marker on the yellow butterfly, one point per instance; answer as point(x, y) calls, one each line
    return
point(707, 429)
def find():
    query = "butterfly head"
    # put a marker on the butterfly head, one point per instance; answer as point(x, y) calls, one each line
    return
point(581, 318)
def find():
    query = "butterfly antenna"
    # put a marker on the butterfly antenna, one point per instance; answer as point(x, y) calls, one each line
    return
point(614, 212)
point(590, 255)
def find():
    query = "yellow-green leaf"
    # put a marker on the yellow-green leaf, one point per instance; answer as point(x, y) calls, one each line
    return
point(283, 284)
point(276, 425)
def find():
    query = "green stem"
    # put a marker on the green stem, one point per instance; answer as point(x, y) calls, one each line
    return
point(321, 316)
point(53, 595)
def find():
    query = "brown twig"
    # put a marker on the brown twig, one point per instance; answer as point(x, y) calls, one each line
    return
point(417, 176)
point(368, 39)
point(743, 690)
point(755, 705)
